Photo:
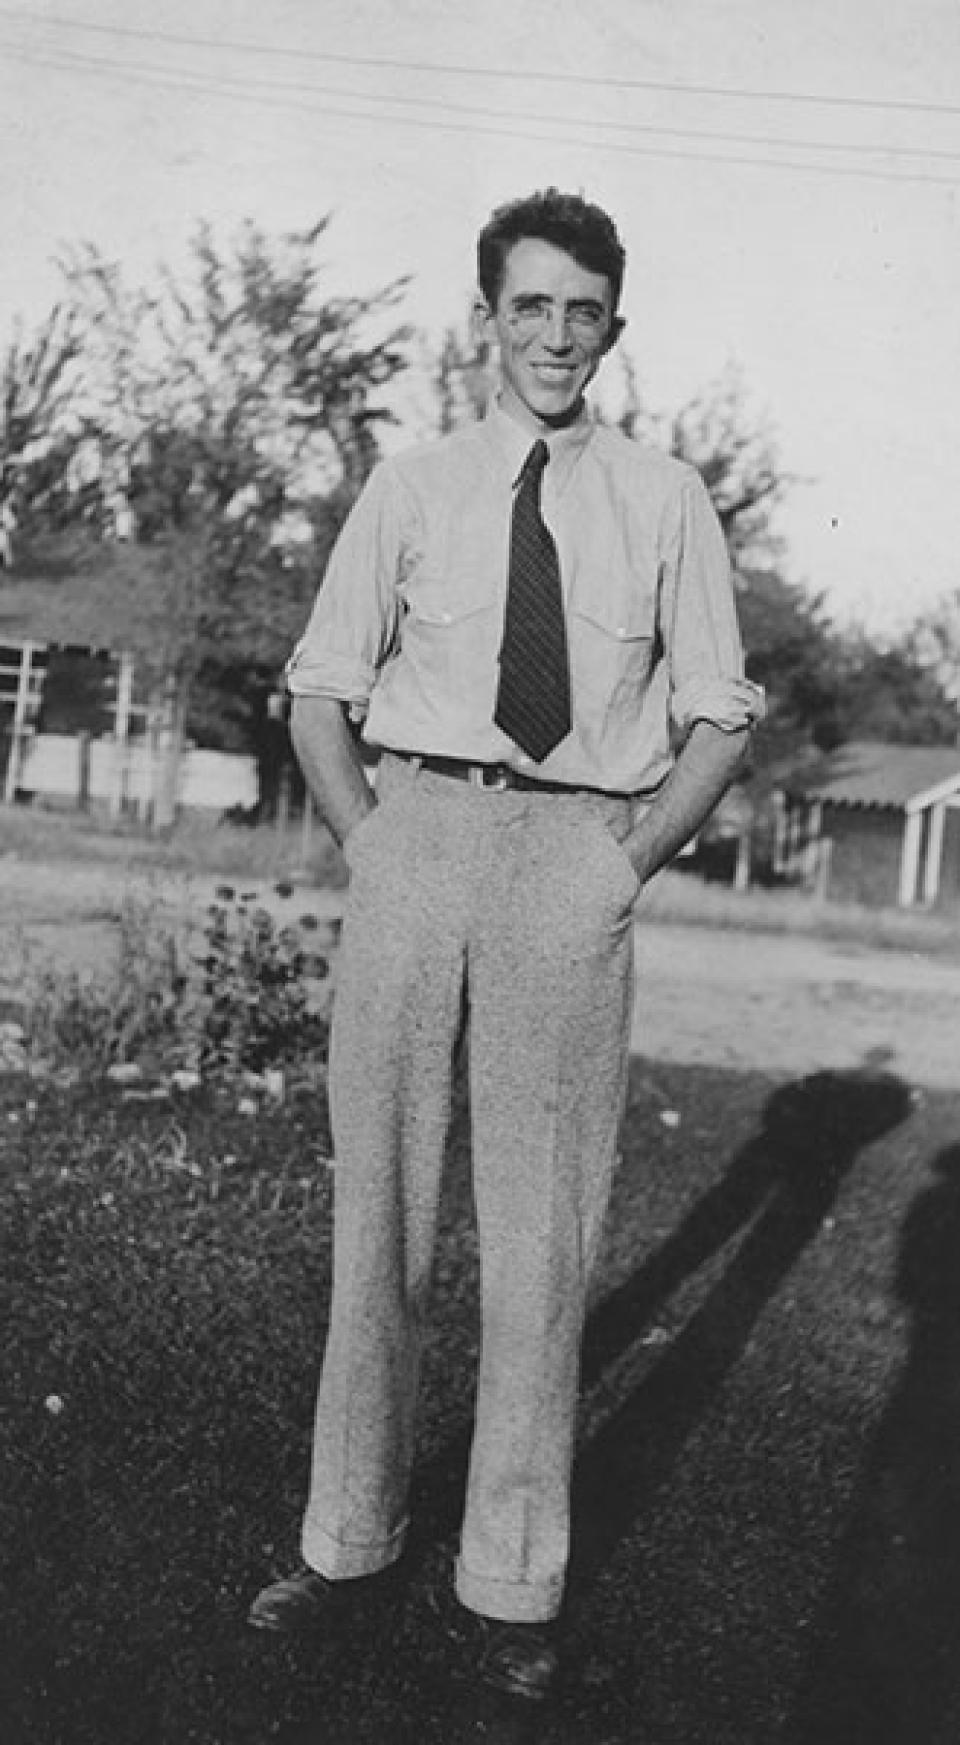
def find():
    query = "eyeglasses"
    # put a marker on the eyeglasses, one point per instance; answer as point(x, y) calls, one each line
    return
point(584, 323)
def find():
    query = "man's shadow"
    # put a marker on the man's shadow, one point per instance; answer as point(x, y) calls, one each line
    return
point(886, 1666)
point(778, 1189)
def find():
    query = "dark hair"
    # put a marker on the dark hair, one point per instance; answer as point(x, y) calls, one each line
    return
point(567, 220)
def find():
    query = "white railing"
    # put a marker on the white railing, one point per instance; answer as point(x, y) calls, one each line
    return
point(65, 766)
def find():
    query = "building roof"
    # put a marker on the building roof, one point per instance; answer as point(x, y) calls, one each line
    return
point(903, 778)
point(42, 608)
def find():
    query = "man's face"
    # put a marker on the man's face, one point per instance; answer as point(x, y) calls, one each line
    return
point(553, 323)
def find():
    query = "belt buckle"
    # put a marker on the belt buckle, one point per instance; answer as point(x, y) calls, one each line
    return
point(500, 781)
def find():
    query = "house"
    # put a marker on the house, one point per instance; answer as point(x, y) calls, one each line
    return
point(881, 822)
point(70, 728)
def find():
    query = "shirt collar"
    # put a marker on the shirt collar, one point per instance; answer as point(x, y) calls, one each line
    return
point(513, 442)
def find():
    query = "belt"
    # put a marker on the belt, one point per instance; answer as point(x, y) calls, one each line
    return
point(495, 777)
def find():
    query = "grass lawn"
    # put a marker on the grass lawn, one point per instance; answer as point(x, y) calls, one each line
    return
point(199, 843)
point(778, 1269)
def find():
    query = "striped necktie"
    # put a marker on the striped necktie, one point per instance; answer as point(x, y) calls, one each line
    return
point(533, 696)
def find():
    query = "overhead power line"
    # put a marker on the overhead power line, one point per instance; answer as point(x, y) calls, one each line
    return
point(603, 82)
point(278, 95)
point(721, 136)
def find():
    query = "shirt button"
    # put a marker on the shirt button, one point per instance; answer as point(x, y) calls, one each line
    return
point(524, 760)
point(621, 631)
point(447, 618)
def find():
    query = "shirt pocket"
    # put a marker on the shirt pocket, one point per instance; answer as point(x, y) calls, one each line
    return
point(448, 630)
point(440, 606)
point(614, 646)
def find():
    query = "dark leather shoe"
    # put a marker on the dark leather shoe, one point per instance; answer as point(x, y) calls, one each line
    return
point(306, 1602)
point(520, 1660)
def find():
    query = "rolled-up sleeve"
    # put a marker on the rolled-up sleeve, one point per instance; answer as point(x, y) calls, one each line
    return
point(699, 621)
point(353, 625)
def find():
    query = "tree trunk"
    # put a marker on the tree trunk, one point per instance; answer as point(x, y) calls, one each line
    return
point(171, 752)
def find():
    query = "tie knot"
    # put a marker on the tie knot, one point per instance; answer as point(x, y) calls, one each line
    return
point(536, 460)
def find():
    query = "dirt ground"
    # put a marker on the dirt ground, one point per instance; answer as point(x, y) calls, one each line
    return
point(705, 996)
point(781, 1003)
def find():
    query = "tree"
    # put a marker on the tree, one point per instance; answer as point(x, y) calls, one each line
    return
point(37, 440)
point(461, 377)
point(934, 639)
point(226, 422)
point(792, 650)
point(733, 448)
point(241, 397)
point(890, 692)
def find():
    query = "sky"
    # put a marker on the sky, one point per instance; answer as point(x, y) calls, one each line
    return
point(785, 177)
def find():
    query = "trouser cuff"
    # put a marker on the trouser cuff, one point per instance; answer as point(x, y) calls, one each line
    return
point(512, 1602)
point(339, 1562)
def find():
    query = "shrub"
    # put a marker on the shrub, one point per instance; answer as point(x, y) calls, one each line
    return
point(254, 1008)
point(92, 1019)
point(235, 994)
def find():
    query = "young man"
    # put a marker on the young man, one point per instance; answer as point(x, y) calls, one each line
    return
point(526, 615)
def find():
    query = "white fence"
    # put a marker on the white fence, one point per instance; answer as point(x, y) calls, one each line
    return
point(61, 765)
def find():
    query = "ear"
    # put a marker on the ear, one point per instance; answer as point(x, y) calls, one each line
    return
point(617, 326)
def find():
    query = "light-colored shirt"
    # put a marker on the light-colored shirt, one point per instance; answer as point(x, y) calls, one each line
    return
point(408, 623)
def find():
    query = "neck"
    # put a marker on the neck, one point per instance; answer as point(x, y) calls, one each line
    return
point(521, 414)
point(564, 419)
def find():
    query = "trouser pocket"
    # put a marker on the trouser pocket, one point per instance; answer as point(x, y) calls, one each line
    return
point(613, 855)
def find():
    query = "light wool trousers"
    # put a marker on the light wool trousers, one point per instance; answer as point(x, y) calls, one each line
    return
point(525, 899)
